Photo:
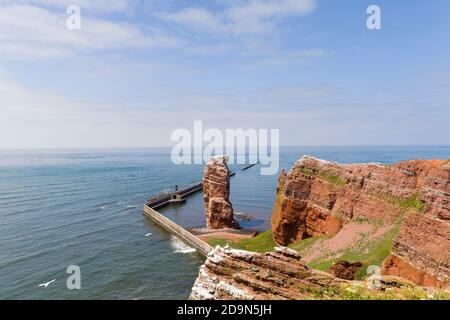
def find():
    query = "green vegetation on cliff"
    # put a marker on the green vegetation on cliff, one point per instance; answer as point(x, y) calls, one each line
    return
point(412, 202)
point(261, 243)
point(333, 179)
point(329, 177)
point(371, 252)
point(361, 292)
point(304, 244)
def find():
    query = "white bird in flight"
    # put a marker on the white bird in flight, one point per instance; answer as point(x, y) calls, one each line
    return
point(148, 234)
point(46, 284)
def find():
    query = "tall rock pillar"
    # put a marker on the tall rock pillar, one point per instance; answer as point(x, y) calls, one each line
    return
point(216, 194)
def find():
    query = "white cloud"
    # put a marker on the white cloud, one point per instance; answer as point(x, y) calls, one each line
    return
point(196, 18)
point(96, 5)
point(249, 17)
point(31, 32)
point(37, 119)
point(34, 119)
point(313, 114)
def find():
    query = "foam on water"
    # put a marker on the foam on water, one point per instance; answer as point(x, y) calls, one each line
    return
point(179, 246)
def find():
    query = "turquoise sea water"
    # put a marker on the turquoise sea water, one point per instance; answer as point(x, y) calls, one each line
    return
point(84, 207)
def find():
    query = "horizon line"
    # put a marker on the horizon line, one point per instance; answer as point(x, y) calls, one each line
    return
point(168, 147)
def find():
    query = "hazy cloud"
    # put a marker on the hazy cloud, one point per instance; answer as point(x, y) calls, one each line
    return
point(97, 5)
point(248, 17)
point(31, 32)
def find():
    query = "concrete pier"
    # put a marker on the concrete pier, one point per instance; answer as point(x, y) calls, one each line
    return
point(177, 197)
point(199, 245)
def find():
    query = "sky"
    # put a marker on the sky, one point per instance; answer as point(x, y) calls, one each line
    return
point(138, 70)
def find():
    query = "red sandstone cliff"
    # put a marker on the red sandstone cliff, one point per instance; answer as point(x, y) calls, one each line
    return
point(216, 194)
point(320, 198)
point(230, 274)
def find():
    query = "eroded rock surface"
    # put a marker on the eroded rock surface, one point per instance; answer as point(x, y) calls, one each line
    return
point(216, 194)
point(230, 274)
point(317, 198)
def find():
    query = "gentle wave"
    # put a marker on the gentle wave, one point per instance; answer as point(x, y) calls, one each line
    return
point(179, 246)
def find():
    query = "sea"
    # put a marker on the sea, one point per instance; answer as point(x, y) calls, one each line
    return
point(61, 208)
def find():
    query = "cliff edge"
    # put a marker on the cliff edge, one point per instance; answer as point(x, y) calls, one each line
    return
point(230, 274)
point(406, 205)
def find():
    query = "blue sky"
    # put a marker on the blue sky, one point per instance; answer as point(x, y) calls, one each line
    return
point(137, 70)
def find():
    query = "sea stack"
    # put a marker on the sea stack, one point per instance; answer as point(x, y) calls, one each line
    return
point(216, 194)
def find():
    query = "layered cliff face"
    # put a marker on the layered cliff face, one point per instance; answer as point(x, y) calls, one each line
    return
point(216, 194)
point(347, 203)
point(230, 274)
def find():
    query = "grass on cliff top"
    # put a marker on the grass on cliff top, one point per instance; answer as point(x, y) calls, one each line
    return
point(369, 254)
point(330, 178)
point(261, 243)
point(333, 179)
point(412, 202)
point(304, 244)
point(307, 172)
point(361, 292)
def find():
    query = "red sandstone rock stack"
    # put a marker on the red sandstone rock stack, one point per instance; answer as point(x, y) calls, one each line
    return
point(216, 194)
point(318, 198)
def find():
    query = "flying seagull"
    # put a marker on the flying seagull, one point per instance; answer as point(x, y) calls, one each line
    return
point(46, 284)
